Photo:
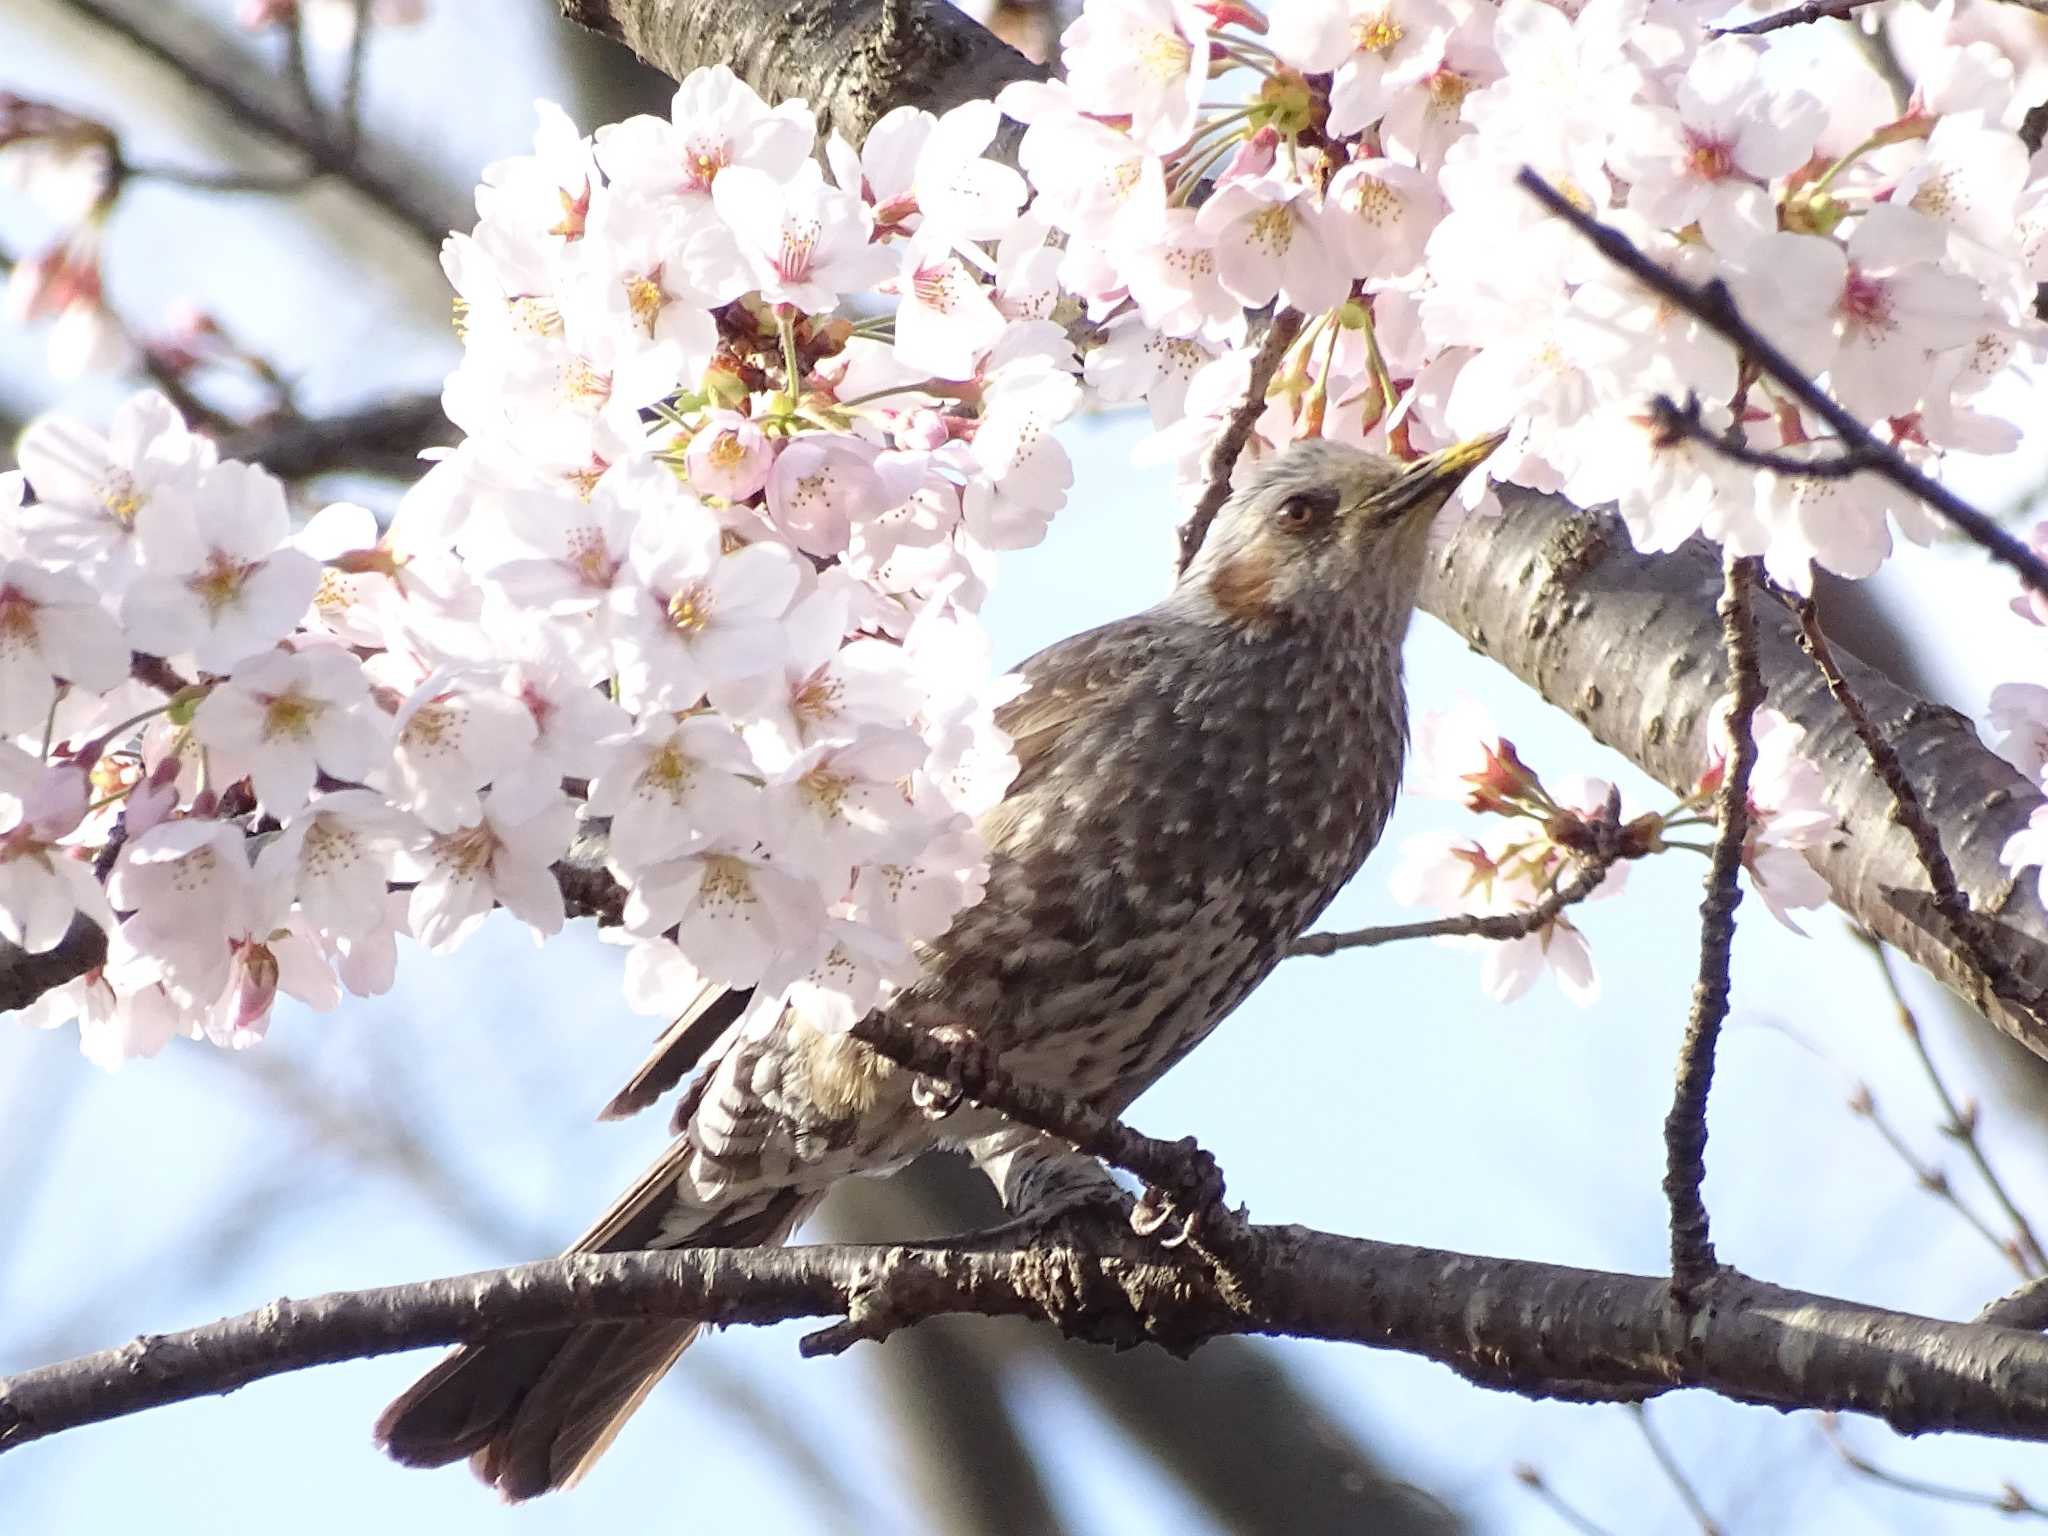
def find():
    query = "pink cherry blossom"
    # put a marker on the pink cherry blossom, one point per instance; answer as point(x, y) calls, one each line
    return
point(1147, 60)
point(1273, 240)
point(225, 587)
point(284, 717)
point(685, 615)
point(52, 627)
point(453, 735)
point(90, 490)
point(821, 486)
point(728, 456)
point(805, 243)
point(672, 785)
point(733, 912)
point(496, 860)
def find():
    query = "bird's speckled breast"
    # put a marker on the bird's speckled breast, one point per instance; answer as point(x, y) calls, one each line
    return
point(1207, 803)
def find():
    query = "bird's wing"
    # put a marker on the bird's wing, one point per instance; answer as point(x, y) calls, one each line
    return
point(678, 1048)
point(1068, 683)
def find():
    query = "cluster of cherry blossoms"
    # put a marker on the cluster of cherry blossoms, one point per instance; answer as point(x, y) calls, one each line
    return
point(748, 417)
point(694, 599)
point(1544, 836)
point(1367, 180)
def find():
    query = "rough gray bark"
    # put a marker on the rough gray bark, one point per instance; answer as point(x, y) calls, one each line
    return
point(852, 60)
point(1537, 1329)
point(1629, 644)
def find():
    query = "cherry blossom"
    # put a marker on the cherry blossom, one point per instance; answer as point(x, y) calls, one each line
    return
point(222, 587)
point(675, 783)
point(803, 242)
point(335, 856)
point(1272, 240)
point(686, 615)
point(733, 912)
point(43, 885)
point(52, 628)
point(91, 489)
point(728, 456)
point(284, 717)
point(452, 735)
point(1147, 60)
point(495, 860)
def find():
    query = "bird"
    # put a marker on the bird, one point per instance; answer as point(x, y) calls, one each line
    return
point(1195, 783)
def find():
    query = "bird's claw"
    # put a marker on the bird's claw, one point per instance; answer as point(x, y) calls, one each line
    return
point(1182, 1212)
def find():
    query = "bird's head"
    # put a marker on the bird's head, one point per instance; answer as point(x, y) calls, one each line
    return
point(1323, 524)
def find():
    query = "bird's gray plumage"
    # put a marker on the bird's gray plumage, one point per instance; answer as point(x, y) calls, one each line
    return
point(1196, 782)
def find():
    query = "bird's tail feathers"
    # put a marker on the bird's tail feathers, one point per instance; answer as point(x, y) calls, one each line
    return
point(533, 1412)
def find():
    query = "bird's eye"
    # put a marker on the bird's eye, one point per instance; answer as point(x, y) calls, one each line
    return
point(1306, 509)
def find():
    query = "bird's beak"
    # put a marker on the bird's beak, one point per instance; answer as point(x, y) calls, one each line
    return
point(1455, 462)
point(1428, 483)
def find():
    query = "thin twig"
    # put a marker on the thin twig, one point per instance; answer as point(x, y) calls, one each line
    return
point(1972, 930)
point(1713, 306)
point(1591, 869)
point(235, 97)
point(1685, 1127)
point(1797, 16)
point(1863, 1104)
point(1687, 1494)
point(299, 75)
point(2007, 1501)
point(349, 114)
point(2025, 1248)
point(1681, 422)
point(1280, 333)
point(1532, 1479)
point(217, 181)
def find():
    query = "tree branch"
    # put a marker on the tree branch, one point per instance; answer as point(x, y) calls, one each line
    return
point(1685, 1127)
point(1504, 1323)
point(1223, 453)
point(1181, 1172)
point(256, 99)
point(382, 438)
point(1629, 645)
point(1972, 932)
point(1796, 16)
point(1712, 305)
point(1583, 882)
point(852, 60)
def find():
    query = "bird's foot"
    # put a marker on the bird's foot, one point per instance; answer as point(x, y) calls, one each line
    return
point(1194, 1204)
point(1080, 1213)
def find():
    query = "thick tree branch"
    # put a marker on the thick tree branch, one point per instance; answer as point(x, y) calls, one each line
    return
point(852, 60)
point(1968, 927)
point(1501, 1322)
point(383, 438)
point(1629, 645)
point(24, 977)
